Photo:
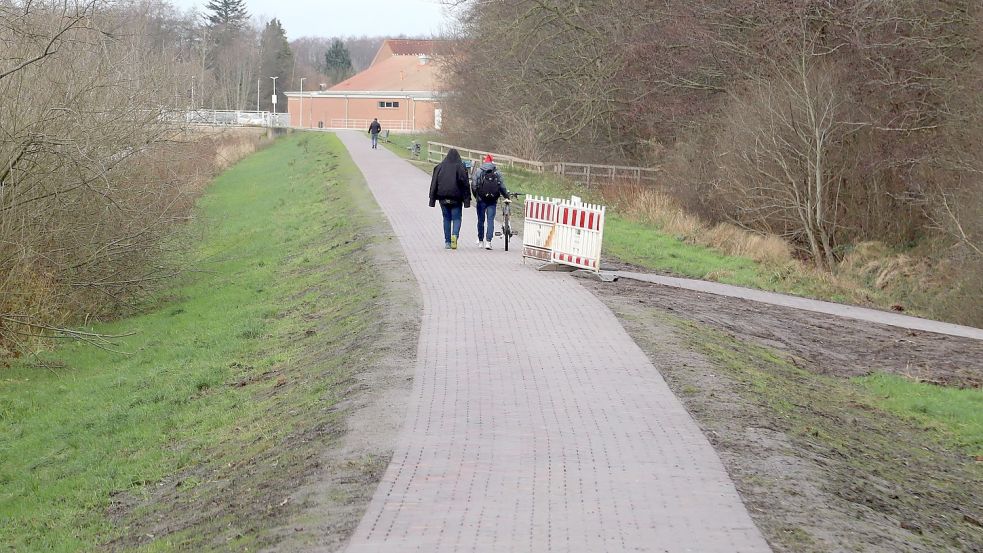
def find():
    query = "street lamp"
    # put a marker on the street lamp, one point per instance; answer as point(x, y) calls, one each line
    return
point(301, 102)
point(274, 93)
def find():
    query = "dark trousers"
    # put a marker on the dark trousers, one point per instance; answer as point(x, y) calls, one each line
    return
point(486, 220)
point(452, 218)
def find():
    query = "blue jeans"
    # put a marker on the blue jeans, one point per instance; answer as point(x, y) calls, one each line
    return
point(486, 212)
point(375, 139)
point(452, 215)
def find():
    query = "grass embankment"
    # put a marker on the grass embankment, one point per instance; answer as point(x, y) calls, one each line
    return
point(194, 438)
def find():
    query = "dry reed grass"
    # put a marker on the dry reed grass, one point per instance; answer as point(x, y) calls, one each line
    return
point(650, 206)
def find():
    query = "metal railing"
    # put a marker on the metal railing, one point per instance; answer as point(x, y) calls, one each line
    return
point(363, 124)
point(235, 118)
point(581, 173)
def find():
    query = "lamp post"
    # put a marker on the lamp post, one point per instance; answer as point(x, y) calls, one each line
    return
point(257, 95)
point(274, 93)
point(301, 102)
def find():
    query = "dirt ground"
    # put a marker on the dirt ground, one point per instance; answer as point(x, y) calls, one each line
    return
point(831, 345)
point(818, 465)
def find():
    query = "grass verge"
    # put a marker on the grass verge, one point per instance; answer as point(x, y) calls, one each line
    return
point(400, 144)
point(957, 413)
point(194, 439)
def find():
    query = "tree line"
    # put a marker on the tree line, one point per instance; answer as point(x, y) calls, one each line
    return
point(828, 123)
point(228, 61)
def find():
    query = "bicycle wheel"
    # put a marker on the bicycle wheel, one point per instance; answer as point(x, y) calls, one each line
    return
point(506, 232)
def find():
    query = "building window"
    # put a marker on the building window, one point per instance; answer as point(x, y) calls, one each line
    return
point(320, 124)
point(388, 104)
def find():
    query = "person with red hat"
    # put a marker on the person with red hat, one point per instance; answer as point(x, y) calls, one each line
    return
point(488, 186)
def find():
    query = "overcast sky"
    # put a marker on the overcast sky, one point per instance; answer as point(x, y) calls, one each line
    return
point(329, 18)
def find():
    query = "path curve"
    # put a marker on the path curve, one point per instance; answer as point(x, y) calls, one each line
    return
point(535, 422)
point(807, 304)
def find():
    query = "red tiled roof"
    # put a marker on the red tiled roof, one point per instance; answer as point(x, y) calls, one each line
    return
point(393, 74)
point(401, 47)
point(410, 47)
point(397, 67)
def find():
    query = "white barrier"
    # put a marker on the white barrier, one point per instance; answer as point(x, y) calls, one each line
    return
point(538, 228)
point(568, 232)
point(578, 235)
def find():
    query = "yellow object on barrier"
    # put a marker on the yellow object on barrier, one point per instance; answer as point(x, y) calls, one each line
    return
point(539, 227)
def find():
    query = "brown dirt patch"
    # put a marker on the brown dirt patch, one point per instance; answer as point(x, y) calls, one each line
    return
point(830, 345)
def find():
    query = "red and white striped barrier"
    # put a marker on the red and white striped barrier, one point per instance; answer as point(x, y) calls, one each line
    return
point(539, 227)
point(579, 229)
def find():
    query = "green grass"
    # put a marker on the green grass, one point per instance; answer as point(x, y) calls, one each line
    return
point(400, 144)
point(646, 246)
point(957, 412)
point(220, 373)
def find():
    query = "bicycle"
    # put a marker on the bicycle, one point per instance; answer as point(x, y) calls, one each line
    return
point(507, 231)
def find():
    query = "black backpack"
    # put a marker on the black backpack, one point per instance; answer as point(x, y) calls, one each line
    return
point(489, 186)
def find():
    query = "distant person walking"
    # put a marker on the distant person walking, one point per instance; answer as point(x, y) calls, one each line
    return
point(374, 129)
point(449, 186)
point(488, 187)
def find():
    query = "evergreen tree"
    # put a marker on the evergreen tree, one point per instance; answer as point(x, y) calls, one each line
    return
point(276, 60)
point(226, 14)
point(338, 62)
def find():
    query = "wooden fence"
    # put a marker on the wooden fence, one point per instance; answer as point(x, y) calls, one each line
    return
point(581, 173)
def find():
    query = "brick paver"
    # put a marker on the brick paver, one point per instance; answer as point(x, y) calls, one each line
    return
point(536, 423)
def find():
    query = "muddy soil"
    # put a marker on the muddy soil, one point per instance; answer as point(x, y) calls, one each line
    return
point(818, 465)
point(831, 345)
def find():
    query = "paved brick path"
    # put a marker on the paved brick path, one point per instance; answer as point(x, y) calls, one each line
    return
point(536, 424)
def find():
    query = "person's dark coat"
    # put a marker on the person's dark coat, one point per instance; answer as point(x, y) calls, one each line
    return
point(375, 127)
point(449, 183)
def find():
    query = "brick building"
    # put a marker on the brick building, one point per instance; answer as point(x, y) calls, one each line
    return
point(400, 87)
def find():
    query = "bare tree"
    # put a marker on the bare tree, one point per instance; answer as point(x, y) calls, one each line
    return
point(85, 197)
point(781, 163)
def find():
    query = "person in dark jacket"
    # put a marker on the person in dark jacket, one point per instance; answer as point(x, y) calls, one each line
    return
point(374, 129)
point(449, 186)
point(488, 186)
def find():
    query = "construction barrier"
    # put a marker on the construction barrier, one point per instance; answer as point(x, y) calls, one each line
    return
point(539, 226)
point(579, 229)
point(568, 232)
